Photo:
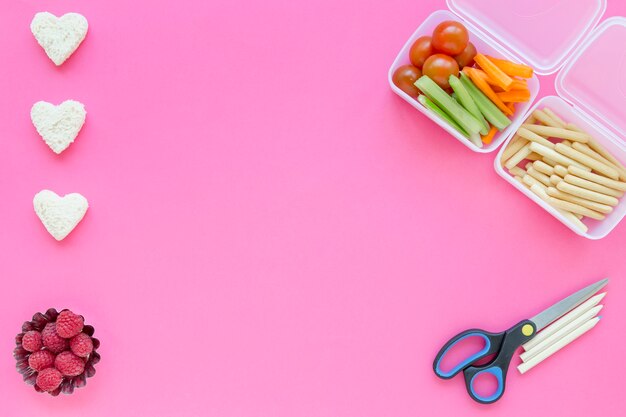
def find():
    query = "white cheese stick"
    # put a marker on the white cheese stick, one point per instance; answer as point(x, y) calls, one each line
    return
point(517, 171)
point(561, 171)
point(563, 321)
point(518, 157)
point(554, 116)
point(543, 178)
point(555, 156)
point(526, 133)
point(599, 179)
point(543, 167)
point(572, 126)
point(584, 148)
point(544, 118)
point(530, 181)
point(587, 194)
point(590, 185)
point(514, 146)
point(593, 144)
point(575, 208)
point(541, 193)
point(591, 205)
point(588, 161)
point(555, 179)
point(556, 132)
point(549, 161)
point(599, 150)
point(579, 331)
point(558, 335)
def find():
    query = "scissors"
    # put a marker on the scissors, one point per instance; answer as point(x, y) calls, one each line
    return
point(503, 345)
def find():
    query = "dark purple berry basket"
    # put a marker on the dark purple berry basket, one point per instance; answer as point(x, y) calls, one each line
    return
point(21, 355)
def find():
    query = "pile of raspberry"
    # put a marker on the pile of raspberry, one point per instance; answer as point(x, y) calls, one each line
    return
point(56, 352)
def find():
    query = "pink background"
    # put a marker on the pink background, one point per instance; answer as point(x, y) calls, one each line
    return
point(272, 231)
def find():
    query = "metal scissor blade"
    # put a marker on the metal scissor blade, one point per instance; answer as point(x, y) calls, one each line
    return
point(561, 308)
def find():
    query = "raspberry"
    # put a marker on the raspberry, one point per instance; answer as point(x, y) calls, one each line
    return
point(69, 364)
point(49, 379)
point(69, 324)
point(41, 360)
point(52, 340)
point(81, 345)
point(32, 341)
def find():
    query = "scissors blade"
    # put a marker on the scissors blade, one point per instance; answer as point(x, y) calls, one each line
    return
point(559, 309)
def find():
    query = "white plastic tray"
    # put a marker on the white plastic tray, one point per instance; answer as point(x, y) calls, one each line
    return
point(548, 35)
point(542, 33)
point(483, 46)
point(594, 100)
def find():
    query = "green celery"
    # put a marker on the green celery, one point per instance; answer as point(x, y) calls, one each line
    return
point(446, 103)
point(491, 112)
point(466, 100)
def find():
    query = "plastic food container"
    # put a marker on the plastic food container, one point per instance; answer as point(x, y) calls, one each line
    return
point(483, 46)
point(549, 35)
point(593, 97)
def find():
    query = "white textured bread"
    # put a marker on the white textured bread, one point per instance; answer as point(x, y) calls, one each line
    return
point(59, 215)
point(59, 36)
point(58, 125)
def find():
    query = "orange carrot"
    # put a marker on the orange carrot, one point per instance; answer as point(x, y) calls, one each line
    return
point(489, 136)
point(519, 85)
point(485, 77)
point(514, 96)
point(484, 87)
point(511, 106)
point(495, 73)
point(511, 68)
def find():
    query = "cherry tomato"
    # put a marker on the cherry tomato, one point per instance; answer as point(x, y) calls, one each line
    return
point(420, 50)
point(466, 58)
point(439, 67)
point(450, 37)
point(404, 77)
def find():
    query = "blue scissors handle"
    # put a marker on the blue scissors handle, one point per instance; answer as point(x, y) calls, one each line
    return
point(502, 345)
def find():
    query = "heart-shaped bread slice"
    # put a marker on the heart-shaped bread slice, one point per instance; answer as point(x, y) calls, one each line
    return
point(58, 125)
point(59, 36)
point(60, 215)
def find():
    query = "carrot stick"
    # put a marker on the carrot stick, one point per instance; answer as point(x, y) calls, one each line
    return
point(489, 81)
point(495, 73)
point(511, 106)
point(511, 68)
point(519, 85)
point(484, 87)
point(514, 96)
point(489, 136)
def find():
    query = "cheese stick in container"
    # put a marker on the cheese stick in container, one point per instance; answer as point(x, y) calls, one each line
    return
point(563, 164)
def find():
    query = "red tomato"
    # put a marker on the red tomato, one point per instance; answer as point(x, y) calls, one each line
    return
point(450, 37)
point(404, 77)
point(466, 58)
point(420, 50)
point(439, 67)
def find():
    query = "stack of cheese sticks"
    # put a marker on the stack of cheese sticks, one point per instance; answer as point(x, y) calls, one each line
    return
point(561, 333)
point(566, 167)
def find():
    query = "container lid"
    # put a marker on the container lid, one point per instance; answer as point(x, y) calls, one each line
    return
point(543, 33)
point(594, 79)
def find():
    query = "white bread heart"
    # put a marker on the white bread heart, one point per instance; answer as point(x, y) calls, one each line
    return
point(59, 36)
point(58, 125)
point(60, 215)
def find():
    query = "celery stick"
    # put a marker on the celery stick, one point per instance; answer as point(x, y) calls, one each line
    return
point(466, 100)
point(491, 112)
point(435, 109)
point(448, 105)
